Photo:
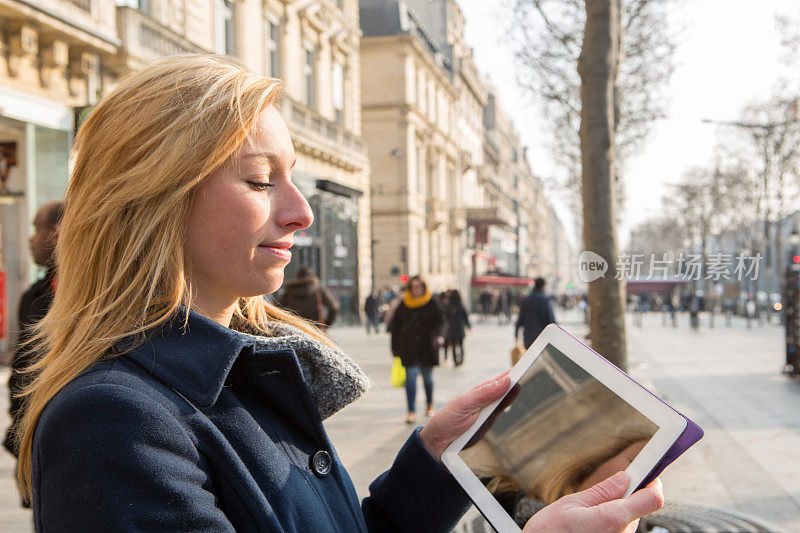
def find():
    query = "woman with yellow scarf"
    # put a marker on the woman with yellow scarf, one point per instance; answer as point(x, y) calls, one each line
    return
point(417, 327)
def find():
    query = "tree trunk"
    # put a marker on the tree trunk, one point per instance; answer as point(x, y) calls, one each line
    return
point(598, 66)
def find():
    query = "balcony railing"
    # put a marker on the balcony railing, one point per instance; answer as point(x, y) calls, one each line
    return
point(146, 39)
point(308, 119)
point(487, 216)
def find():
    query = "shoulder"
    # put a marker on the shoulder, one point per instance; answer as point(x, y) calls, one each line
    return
point(102, 409)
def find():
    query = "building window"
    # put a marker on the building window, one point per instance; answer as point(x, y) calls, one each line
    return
point(225, 27)
point(271, 53)
point(308, 69)
point(338, 92)
point(144, 6)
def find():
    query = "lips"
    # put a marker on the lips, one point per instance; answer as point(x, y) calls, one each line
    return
point(278, 249)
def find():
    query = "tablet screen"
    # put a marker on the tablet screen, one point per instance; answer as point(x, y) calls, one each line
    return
point(558, 431)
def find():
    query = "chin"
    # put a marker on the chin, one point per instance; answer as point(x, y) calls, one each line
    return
point(273, 282)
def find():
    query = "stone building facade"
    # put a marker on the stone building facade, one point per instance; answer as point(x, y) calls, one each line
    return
point(453, 194)
point(59, 57)
point(422, 114)
point(314, 47)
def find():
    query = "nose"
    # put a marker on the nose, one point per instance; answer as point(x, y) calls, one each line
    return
point(293, 211)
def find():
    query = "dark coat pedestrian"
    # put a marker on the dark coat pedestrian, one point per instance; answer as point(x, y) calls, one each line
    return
point(35, 303)
point(371, 306)
point(306, 296)
point(418, 328)
point(457, 322)
point(210, 429)
point(457, 319)
point(535, 313)
point(414, 330)
point(33, 306)
point(372, 313)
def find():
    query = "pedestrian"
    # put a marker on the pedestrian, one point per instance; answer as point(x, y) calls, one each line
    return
point(170, 394)
point(497, 306)
point(417, 328)
point(485, 304)
point(535, 313)
point(508, 305)
point(694, 312)
point(457, 324)
point(33, 305)
point(307, 297)
point(673, 303)
point(372, 312)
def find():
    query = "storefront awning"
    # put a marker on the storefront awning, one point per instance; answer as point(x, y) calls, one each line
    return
point(504, 281)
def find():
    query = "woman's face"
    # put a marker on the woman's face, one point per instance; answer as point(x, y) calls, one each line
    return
point(243, 218)
point(417, 289)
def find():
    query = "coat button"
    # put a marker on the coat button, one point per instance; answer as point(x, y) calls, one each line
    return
point(321, 463)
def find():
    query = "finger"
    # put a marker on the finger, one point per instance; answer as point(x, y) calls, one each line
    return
point(491, 380)
point(609, 489)
point(632, 527)
point(486, 394)
point(640, 503)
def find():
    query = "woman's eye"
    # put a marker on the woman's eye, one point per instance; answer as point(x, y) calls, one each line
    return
point(260, 185)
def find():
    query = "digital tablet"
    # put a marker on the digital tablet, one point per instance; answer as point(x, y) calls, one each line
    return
point(569, 420)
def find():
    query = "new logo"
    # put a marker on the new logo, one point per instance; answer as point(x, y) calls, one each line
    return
point(591, 266)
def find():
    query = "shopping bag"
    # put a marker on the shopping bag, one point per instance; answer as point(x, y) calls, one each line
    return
point(516, 353)
point(398, 373)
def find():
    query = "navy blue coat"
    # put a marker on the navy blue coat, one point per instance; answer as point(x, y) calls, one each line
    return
point(201, 431)
point(535, 313)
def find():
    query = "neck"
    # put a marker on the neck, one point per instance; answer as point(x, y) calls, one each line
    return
point(217, 309)
point(220, 316)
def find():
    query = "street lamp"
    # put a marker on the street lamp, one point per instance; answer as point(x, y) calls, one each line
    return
point(794, 239)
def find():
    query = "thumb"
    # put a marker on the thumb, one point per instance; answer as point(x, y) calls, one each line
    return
point(641, 503)
point(607, 490)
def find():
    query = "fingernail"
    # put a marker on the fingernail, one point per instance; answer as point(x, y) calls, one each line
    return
point(620, 479)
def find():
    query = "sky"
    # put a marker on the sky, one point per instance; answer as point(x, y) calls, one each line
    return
point(728, 54)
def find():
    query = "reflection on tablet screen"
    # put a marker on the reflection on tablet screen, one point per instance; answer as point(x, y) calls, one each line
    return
point(558, 431)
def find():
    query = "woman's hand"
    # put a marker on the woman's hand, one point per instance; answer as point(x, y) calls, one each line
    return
point(599, 508)
point(460, 413)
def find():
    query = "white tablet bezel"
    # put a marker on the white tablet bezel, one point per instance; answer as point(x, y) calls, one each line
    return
point(670, 423)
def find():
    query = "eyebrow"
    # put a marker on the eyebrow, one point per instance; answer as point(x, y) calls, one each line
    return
point(274, 160)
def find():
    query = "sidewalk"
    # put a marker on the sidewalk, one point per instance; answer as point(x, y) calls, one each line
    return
point(13, 518)
point(727, 379)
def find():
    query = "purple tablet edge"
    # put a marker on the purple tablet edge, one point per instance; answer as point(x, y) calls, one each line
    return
point(690, 435)
point(688, 438)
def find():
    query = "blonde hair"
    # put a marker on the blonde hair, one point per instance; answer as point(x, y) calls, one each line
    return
point(120, 259)
point(564, 473)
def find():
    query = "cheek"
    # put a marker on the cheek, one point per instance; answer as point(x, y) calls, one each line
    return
point(225, 231)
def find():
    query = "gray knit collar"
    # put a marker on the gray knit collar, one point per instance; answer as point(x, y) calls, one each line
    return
point(333, 378)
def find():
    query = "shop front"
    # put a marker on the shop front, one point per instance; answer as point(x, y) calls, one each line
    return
point(330, 245)
point(35, 139)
